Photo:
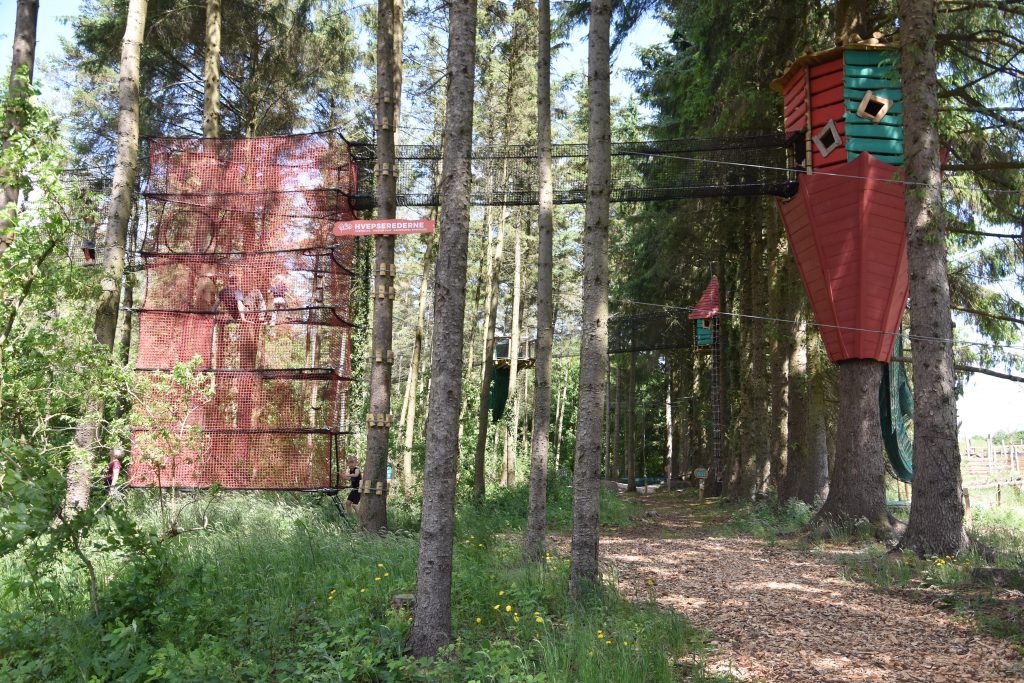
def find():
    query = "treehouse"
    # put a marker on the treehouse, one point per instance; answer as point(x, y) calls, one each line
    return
point(846, 223)
point(527, 355)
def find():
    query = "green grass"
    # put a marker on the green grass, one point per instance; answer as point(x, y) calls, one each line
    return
point(277, 589)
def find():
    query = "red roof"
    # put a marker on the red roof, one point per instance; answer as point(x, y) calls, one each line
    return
point(848, 234)
point(707, 306)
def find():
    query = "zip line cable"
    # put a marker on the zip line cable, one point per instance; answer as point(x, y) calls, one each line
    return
point(750, 316)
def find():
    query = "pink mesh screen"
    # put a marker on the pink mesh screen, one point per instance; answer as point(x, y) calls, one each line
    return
point(243, 271)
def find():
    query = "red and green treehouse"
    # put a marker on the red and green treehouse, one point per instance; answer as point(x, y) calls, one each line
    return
point(846, 224)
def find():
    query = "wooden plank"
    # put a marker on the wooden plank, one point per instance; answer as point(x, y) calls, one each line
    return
point(872, 72)
point(894, 159)
point(878, 131)
point(887, 93)
point(836, 112)
point(872, 84)
point(826, 82)
point(869, 57)
point(891, 147)
point(827, 98)
point(831, 66)
point(890, 119)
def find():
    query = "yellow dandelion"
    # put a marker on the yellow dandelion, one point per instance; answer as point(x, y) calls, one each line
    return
point(362, 590)
point(497, 607)
point(500, 593)
point(625, 643)
point(515, 618)
point(600, 634)
point(478, 620)
point(508, 608)
point(380, 566)
point(590, 653)
point(387, 574)
point(330, 597)
point(481, 545)
point(539, 620)
point(376, 578)
point(607, 642)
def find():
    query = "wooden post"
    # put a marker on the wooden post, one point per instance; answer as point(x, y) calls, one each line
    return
point(991, 457)
point(968, 520)
point(999, 494)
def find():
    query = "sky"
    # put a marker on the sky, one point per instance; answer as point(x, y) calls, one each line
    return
point(988, 404)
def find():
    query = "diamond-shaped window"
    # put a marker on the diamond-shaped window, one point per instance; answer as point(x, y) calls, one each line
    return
point(828, 140)
point(873, 108)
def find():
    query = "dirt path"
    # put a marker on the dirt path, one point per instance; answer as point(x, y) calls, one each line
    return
point(786, 615)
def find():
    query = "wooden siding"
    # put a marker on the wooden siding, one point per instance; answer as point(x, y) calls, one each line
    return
point(877, 71)
point(848, 236)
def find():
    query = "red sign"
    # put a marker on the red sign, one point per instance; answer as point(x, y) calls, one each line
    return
point(383, 226)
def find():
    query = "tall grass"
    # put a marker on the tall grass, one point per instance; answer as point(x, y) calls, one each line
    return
point(278, 589)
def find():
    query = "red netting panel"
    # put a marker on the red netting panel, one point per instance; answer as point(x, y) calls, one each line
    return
point(260, 401)
point(306, 342)
point(204, 166)
point(239, 460)
point(242, 270)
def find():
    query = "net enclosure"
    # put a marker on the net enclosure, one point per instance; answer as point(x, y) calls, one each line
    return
point(244, 277)
point(645, 170)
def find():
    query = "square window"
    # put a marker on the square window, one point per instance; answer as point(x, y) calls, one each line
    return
point(873, 108)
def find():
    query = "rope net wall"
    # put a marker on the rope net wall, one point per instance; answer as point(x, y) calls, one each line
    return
point(242, 270)
point(641, 171)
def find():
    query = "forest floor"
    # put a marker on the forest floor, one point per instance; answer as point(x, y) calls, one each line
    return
point(786, 612)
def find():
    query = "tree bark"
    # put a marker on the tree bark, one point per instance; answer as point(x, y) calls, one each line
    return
point(513, 353)
point(414, 368)
point(631, 426)
point(24, 58)
point(851, 21)
point(936, 510)
point(373, 510)
point(118, 217)
point(594, 344)
point(857, 489)
point(487, 367)
point(797, 446)
point(432, 617)
point(211, 71)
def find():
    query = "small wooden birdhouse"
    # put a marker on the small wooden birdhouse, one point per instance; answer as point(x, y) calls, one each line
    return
point(705, 332)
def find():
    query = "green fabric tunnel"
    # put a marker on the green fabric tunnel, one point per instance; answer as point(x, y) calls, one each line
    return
point(498, 395)
point(895, 409)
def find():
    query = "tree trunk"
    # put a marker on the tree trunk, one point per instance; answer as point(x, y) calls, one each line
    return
point(631, 426)
point(669, 432)
point(936, 510)
point(594, 344)
point(118, 216)
point(432, 617)
point(561, 415)
point(373, 509)
point(487, 367)
point(851, 21)
point(211, 71)
point(814, 484)
point(798, 448)
point(513, 354)
point(857, 489)
point(23, 59)
point(414, 368)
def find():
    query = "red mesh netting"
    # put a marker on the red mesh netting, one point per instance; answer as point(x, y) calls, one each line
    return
point(243, 271)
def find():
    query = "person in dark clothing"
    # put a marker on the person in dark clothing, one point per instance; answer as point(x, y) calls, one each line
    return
point(354, 477)
point(231, 299)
